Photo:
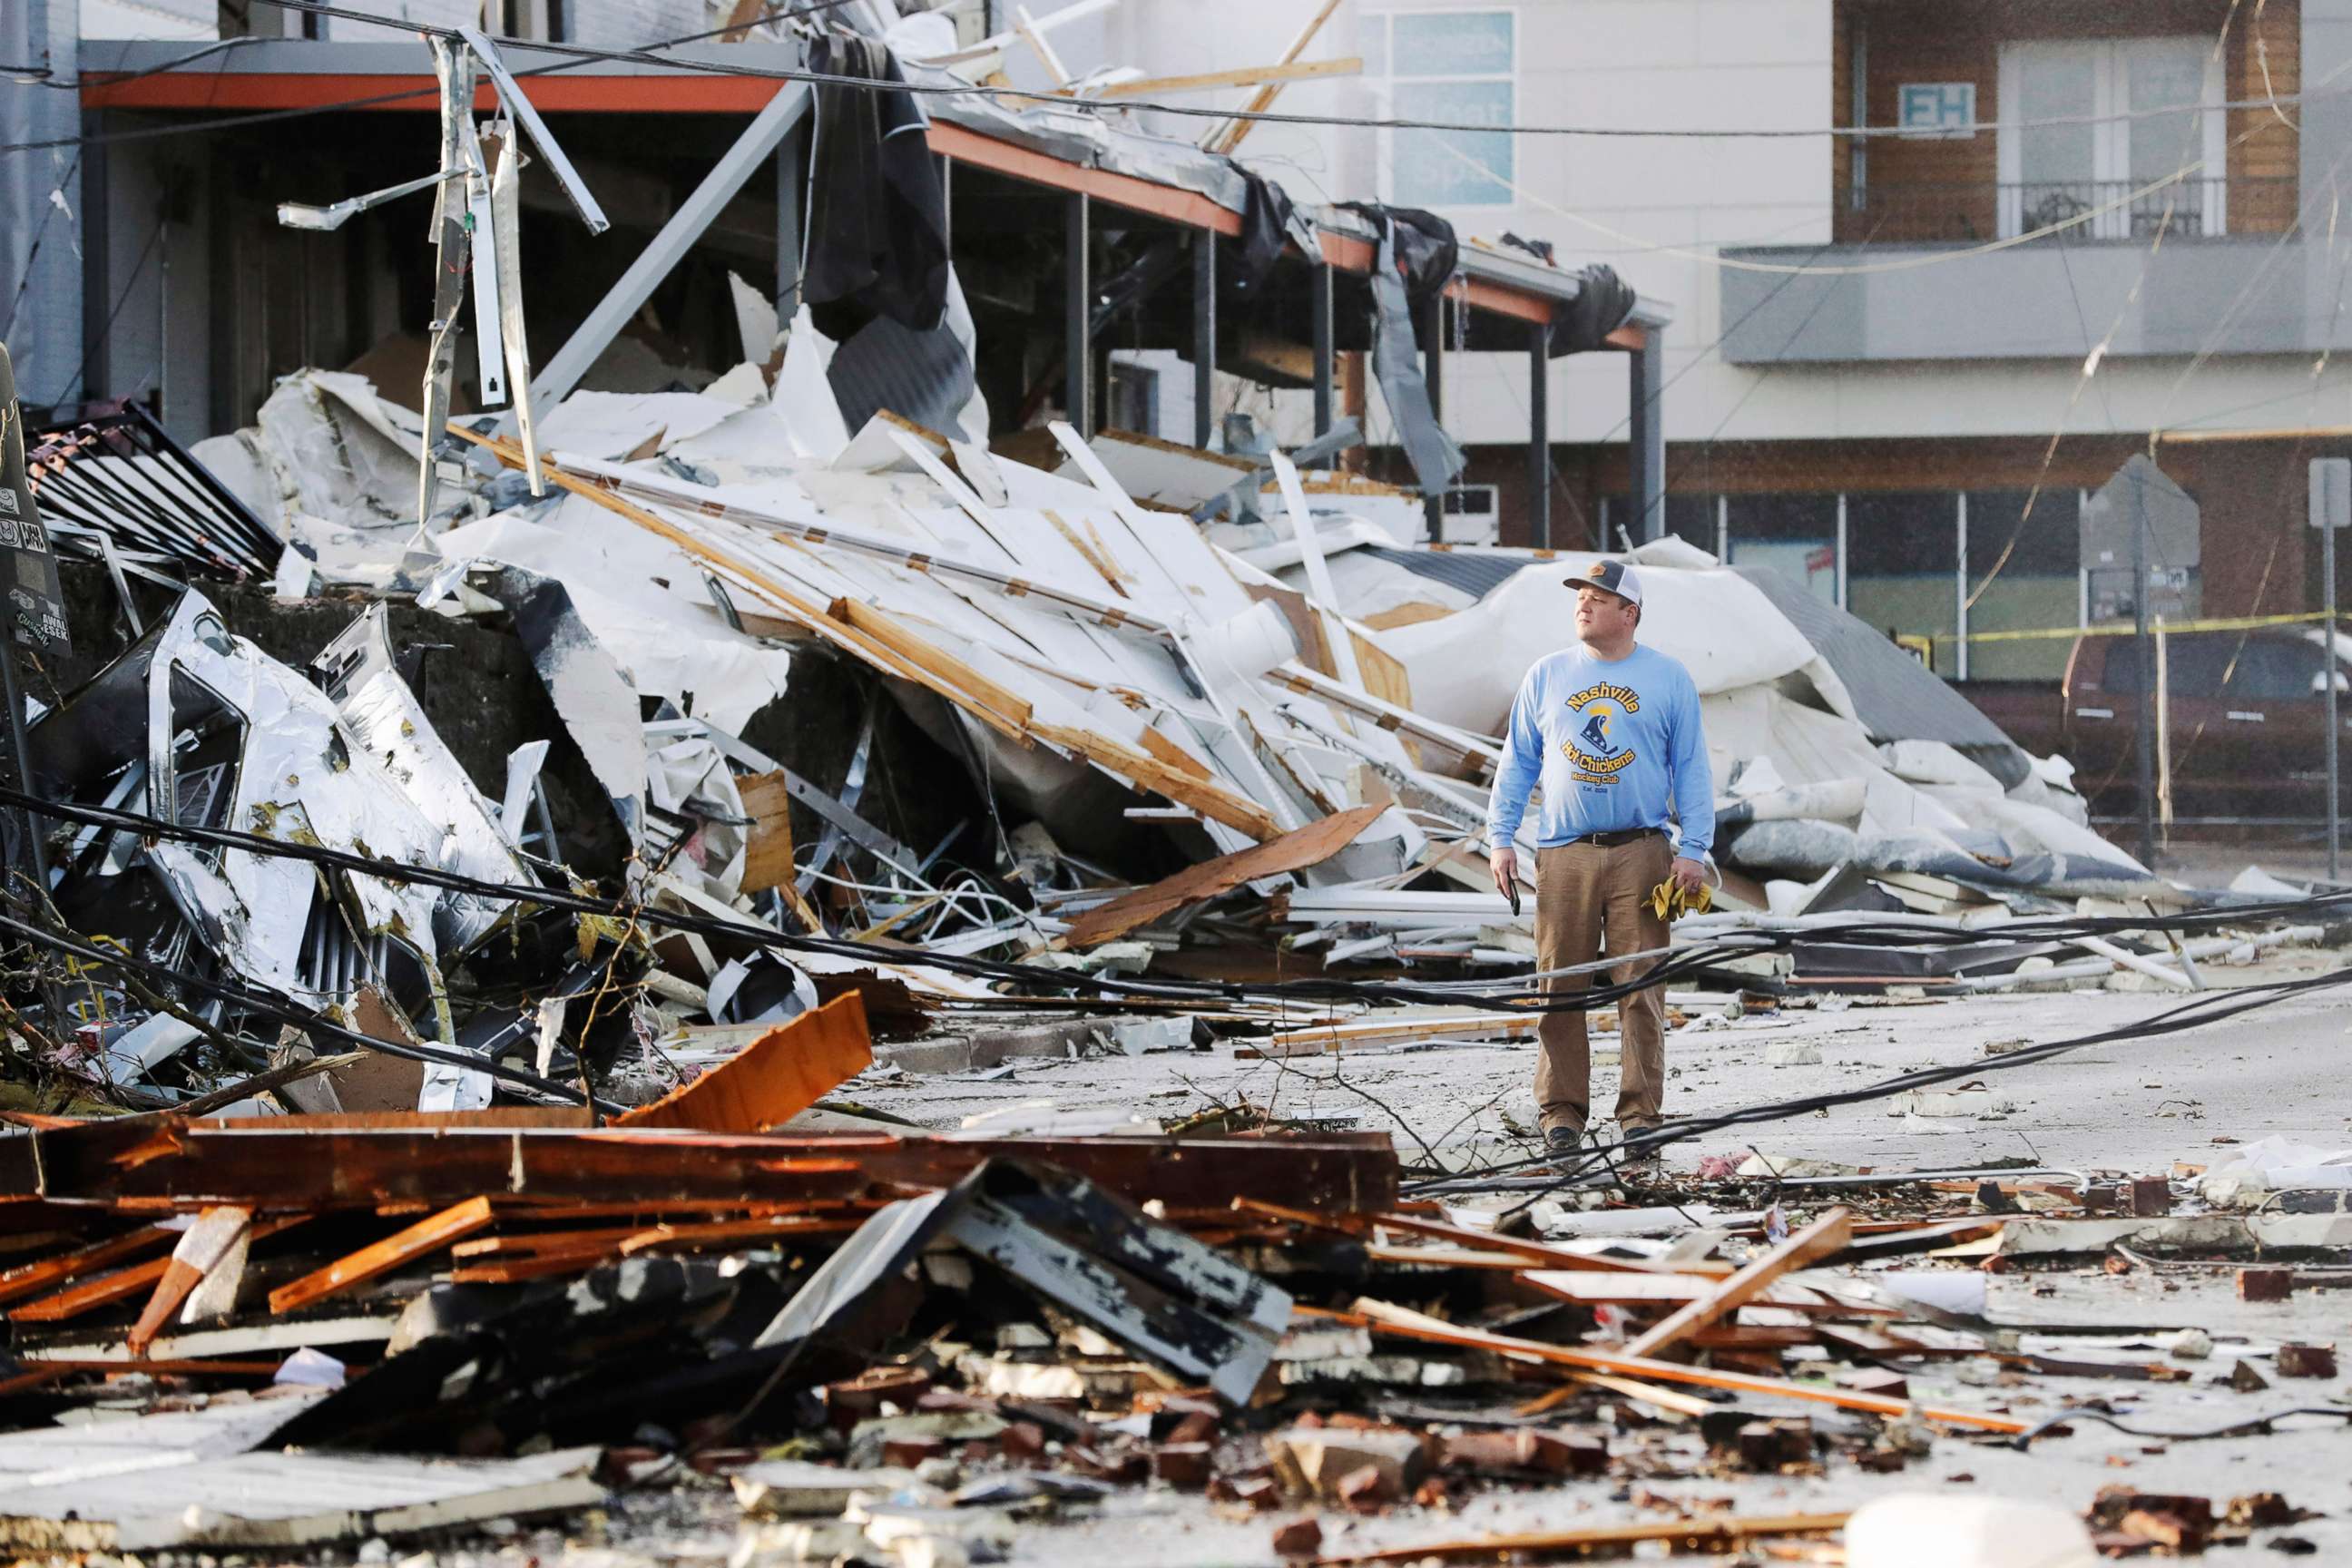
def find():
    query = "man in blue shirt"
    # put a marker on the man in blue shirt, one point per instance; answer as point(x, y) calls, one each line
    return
point(1611, 731)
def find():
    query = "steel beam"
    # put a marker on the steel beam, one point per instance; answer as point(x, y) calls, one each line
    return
point(791, 152)
point(1322, 312)
point(1540, 435)
point(620, 306)
point(1204, 337)
point(1432, 375)
point(1077, 320)
point(1646, 453)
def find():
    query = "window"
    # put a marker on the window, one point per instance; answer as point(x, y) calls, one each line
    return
point(1794, 534)
point(2277, 669)
point(2024, 574)
point(1471, 515)
point(1455, 65)
point(2077, 137)
point(1902, 556)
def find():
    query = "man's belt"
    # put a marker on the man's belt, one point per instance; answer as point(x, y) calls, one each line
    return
point(1615, 837)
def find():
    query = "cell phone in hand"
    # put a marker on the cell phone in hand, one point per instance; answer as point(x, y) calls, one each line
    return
point(1511, 891)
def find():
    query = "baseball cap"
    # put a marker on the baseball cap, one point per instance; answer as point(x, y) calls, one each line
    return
point(1610, 577)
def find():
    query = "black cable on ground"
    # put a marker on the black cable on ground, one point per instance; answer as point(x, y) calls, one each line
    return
point(1514, 997)
point(311, 1023)
point(2249, 1426)
point(1517, 1001)
point(2210, 1008)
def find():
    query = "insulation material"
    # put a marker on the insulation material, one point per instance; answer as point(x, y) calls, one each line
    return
point(1466, 667)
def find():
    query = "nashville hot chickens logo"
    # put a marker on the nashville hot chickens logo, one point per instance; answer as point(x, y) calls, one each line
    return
point(1592, 744)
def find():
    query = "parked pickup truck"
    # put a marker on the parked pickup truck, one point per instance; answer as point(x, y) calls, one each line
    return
point(2247, 712)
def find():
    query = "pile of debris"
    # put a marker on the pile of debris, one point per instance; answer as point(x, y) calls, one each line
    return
point(901, 1348)
point(430, 1100)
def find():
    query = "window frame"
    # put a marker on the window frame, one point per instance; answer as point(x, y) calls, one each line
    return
point(1384, 95)
point(2111, 137)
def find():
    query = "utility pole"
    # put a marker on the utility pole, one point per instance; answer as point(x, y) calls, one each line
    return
point(2145, 729)
point(2331, 509)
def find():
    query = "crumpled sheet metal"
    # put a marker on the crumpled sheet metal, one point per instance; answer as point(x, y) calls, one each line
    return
point(304, 775)
point(360, 674)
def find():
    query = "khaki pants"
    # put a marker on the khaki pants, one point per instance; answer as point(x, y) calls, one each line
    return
point(1583, 889)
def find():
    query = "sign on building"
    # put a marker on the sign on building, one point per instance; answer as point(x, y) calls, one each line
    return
point(32, 601)
point(1938, 110)
point(2142, 496)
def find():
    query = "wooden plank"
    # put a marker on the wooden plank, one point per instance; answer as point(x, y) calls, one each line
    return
point(201, 1249)
point(740, 20)
point(773, 1078)
point(419, 1241)
point(1157, 742)
point(1400, 1322)
point(1211, 800)
point(727, 1232)
point(1293, 851)
point(75, 1300)
point(1716, 1532)
point(1227, 135)
point(895, 634)
point(1320, 1038)
point(768, 842)
point(1528, 1252)
point(1244, 76)
point(32, 1278)
point(1825, 1236)
point(91, 1294)
point(1660, 1291)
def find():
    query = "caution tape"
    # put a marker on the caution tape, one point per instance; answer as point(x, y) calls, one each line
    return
point(2213, 624)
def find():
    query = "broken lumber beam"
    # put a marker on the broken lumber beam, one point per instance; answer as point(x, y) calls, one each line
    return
point(1319, 1038)
point(32, 1278)
point(1293, 851)
point(419, 1241)
point(1528, 1250)
point(1825, 1236)
point(106, 1289)
point(1245, 75)
point(1382, 1317)
point(201, 1249)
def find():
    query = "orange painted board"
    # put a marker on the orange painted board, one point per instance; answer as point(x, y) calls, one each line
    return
point(75, 1300)
point(425, 1236)
point(773, 1078)
point(32, 1278)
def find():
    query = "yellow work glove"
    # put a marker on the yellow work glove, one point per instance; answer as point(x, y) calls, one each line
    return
point(1671, 902)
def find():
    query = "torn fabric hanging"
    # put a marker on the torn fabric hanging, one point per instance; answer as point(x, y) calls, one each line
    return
point(877, 219)
point(1435, 456)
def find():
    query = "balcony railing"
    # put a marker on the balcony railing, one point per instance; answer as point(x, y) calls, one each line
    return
point(2107, 210)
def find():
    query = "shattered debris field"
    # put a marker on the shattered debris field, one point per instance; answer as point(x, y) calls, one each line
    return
point(778, 967)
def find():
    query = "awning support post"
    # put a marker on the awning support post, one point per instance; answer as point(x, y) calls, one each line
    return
point(1322, 313)
point(1204, 337)
point(1078, 321)
point(1540, 435)
point(1432, 375)
point(1647, 454)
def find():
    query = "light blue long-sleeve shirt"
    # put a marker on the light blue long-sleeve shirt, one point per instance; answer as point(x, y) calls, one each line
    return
point(1616, 745)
